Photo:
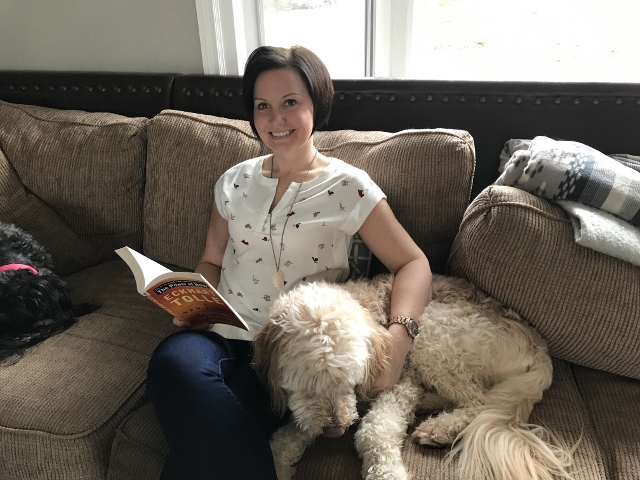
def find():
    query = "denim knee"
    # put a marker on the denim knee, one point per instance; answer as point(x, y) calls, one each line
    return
point(178, 361)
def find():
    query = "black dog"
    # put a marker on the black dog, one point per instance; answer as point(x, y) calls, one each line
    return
point(34, 301)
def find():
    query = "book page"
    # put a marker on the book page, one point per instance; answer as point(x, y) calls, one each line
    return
point(145, 270)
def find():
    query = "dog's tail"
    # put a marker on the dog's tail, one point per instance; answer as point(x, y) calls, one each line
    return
point(500, 444)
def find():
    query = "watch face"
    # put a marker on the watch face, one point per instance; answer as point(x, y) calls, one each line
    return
point(412, 326)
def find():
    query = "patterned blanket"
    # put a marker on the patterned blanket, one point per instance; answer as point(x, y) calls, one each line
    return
point(564, 170)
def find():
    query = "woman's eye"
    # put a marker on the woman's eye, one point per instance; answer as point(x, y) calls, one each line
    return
point(290, 102)
point(261, 106)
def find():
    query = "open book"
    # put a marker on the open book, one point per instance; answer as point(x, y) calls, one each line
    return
point(186, 295)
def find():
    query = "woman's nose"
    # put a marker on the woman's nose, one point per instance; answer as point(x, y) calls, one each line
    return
point(277, 115)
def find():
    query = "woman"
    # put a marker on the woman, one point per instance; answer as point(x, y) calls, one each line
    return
point(277, 220)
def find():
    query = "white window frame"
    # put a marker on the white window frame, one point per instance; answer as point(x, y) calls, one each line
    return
point(392, 37)
point(231, 29)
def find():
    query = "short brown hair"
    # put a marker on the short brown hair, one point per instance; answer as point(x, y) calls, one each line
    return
point(311, 69)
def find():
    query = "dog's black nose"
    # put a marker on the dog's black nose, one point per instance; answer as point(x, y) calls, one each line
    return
point(333, 432)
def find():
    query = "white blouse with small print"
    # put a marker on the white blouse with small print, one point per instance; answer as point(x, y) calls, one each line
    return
point(328, 211)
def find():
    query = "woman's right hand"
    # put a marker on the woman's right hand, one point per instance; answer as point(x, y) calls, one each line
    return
point(182, 324)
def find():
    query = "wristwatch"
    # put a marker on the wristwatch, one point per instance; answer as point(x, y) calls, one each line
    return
point(410, 324)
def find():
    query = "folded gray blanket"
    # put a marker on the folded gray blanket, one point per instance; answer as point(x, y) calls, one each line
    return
point(564, 170)
point(603, 232)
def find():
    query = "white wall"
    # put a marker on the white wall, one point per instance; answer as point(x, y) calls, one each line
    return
point(100, 35)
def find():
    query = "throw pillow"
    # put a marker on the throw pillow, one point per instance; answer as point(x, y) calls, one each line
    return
point(69, 251)
point(359, 259)
point(564, 170)
point(87, 166)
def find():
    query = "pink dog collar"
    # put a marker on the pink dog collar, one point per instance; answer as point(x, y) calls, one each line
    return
point(18, 266)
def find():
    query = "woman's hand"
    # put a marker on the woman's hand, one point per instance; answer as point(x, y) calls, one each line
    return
point(198, 326)
point(399, 348)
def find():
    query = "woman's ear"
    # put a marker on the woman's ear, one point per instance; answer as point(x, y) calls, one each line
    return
point(379, 351)
point(267, 348)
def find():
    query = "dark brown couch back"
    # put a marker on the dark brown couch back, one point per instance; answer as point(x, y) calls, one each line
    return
point(130, 94)
point(603, 115)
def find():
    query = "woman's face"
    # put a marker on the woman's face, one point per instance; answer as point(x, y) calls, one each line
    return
point(283, 110)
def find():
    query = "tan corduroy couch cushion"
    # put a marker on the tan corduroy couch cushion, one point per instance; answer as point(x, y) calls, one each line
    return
point(62, 402)
point(561, 409)
point(88, 167)
point(426, 175)
point(520, 249)
point(139, 448)
point(69, 251)
point(187, 149)
point(612, 402)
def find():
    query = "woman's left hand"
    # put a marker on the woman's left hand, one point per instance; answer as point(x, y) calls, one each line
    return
point(399, 349)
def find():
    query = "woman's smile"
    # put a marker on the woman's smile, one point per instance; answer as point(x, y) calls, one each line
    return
point(282, 134)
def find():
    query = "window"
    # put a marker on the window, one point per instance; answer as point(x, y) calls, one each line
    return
point(545, 40)
point(333, 29)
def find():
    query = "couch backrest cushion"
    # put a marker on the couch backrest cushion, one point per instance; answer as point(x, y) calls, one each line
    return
point(88, 167)
point(426, 175)
point(69, 251)
point(186, 155)
point(520, 249)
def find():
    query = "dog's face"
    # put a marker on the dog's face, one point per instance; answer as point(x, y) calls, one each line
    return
point(317, 353)
point(26, 299)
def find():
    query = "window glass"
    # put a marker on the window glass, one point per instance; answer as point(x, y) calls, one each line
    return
point(546, 40)
point(333, 29)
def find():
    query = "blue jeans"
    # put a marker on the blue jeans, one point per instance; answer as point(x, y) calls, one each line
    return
point(213, 410)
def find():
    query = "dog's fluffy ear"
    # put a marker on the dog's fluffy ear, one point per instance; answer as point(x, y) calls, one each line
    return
point(380, 350)
point(267, 347)
point(31, 298)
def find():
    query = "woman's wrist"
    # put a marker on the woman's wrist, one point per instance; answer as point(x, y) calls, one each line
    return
point(401, 337)
point(210, 271)
point(205, 262)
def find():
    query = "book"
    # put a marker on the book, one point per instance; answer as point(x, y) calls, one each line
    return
point(185, 295)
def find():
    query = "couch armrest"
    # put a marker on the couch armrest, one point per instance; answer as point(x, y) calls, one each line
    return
point(520, 249)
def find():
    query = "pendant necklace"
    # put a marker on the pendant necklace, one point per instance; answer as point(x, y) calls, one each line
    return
point(278, 276)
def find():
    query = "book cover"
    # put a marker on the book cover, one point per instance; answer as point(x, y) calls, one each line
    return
point(185, 295)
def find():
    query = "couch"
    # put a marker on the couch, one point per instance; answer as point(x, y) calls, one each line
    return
point(90, 162)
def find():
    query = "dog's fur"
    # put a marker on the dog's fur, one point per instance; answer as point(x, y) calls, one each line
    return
point(475, 362)
point(32, 306)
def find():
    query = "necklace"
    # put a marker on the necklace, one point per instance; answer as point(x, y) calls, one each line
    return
point(278, 276)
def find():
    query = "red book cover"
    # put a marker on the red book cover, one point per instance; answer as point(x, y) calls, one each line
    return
point(185, 295)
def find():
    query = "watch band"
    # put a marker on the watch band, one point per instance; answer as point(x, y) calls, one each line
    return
point(409, 323)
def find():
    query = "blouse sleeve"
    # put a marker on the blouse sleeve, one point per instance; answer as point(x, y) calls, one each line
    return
point(369, 195)
point(221, 197)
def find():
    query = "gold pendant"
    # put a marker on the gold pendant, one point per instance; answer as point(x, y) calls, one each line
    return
point(278, 280)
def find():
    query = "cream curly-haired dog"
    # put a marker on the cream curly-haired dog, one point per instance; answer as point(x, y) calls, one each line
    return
point(474, 361)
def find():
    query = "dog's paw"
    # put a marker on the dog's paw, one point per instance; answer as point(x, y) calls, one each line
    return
point(284, 471)
point(435, 433)
point(386, 472)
